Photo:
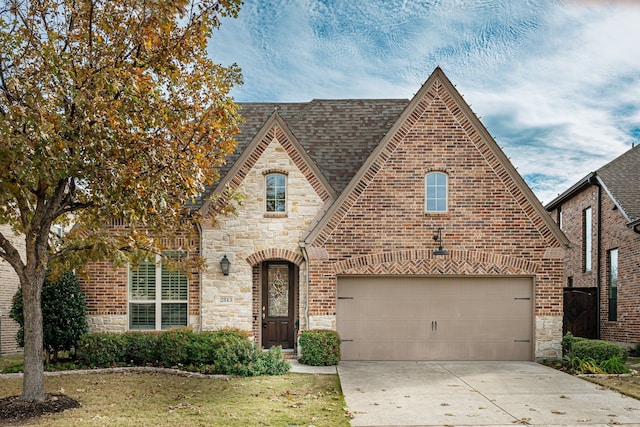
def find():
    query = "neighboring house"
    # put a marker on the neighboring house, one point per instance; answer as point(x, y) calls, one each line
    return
point(600, 215)
point(400, 223)
point(9, 284)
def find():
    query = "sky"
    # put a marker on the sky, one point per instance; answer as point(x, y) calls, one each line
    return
point(556, 83)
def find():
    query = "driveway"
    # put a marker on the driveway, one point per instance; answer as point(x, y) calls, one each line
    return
point(478, 394)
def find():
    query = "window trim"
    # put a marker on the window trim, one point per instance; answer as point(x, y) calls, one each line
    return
point(612, 283)
point(275, 213)
point(437, 198)
point(587, 240)
point(158, 301)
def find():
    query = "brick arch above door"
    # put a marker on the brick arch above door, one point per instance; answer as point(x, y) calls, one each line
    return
point(275, 253)
point(422, 261)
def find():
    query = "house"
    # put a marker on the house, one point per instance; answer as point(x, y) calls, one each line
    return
point(399, 223)
point(600, 215)
point(9, 284)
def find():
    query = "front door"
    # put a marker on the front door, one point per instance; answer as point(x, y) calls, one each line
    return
point(278, 304)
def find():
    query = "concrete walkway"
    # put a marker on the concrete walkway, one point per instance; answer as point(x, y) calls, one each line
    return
point(478, 394)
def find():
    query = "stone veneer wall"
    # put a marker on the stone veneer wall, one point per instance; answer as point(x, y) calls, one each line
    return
point(9, 284)
point(253, 236)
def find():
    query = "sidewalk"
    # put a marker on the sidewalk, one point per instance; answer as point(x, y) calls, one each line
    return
point(306, 369)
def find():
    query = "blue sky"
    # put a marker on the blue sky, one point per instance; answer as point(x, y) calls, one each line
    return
point(556, 83)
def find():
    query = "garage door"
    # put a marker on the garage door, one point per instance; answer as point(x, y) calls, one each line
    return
point(426, 318)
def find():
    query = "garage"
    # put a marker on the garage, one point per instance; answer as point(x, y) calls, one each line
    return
point(435, 318)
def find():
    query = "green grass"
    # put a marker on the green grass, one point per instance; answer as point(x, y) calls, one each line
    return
point(135, 399)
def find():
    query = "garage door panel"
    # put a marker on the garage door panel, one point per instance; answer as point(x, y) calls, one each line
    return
point(409, 318)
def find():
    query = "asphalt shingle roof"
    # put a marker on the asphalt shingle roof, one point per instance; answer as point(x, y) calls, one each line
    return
point(338, 135)
point(622, 178)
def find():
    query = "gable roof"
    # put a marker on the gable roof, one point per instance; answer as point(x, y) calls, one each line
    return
point(477, 132)
point(620, 179)
point(336, 135)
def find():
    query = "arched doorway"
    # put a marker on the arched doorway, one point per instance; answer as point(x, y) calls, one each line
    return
point(278, 303)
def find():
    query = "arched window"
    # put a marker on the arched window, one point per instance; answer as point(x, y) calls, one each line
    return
point(276, 195)
point(436, 192)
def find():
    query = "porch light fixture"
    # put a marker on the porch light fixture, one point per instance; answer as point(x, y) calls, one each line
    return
point(438, 238)
point(224, 265)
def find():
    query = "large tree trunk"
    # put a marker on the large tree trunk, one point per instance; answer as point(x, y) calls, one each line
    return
point(33, 380)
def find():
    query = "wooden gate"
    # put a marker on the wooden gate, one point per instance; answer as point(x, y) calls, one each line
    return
point(581, 312)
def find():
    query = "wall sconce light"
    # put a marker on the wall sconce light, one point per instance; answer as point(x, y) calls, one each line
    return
point(438, 238)
point(224, 265)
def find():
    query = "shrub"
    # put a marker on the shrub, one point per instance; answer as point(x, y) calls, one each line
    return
point(275, 363)
point(102, 350)
point(567, 344)
point(174, 347)
point(615, 365)
point(236, 355)
point(320, 347)
point(64, 314)
point(598, 350)
point(141, 349)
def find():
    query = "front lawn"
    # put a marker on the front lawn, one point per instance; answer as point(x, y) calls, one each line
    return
point(135, 399)
point(626, 384)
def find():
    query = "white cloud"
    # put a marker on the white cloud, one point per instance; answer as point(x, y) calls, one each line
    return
point(557, 84)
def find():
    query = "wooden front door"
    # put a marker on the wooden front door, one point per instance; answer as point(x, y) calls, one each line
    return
point(278, 304)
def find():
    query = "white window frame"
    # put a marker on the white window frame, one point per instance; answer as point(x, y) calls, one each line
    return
point(613, 258)
point(158, 301)
point(266, 193)
point(439, 195)
point(587, 239)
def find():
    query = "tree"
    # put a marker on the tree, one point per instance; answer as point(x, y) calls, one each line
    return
point(110, 110)
point(64, 314)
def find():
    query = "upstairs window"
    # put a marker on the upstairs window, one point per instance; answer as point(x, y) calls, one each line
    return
point(276, 197)
point(587, 243)
point(158, 294)
point(436, 192)
point(613, 285)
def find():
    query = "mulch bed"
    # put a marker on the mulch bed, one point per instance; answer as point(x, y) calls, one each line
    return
point(14, 409)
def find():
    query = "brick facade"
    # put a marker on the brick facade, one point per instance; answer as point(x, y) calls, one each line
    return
point(609, 231)
point(9, 285)
point(489, 229)
point(106, 290)
point(376, 225)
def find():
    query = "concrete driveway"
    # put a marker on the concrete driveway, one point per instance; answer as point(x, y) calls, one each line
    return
point(478, 394)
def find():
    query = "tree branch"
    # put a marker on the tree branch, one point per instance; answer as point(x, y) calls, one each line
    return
point(10, 254)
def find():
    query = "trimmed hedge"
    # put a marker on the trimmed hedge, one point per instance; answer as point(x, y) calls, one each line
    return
point(227, 351)
point(320, 347)
point(598, 350)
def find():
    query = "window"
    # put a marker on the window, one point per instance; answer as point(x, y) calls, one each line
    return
point(153, 307)
point(613, 284)
point(276, 196)
point(586, 239)
point(436, 192)
point(560, 224)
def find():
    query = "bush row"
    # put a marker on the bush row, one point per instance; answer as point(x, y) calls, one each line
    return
point(227, 351)
point(585, 356)
point(597, 350)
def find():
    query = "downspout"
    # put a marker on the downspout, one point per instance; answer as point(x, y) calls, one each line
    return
point(594, 181)
point(305, 255)
point(201, 239)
